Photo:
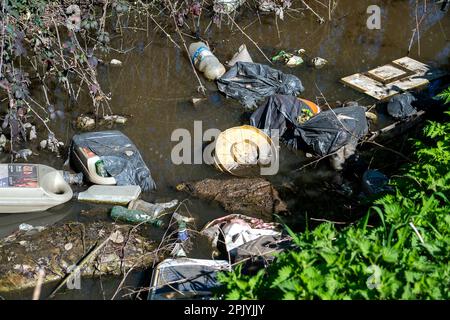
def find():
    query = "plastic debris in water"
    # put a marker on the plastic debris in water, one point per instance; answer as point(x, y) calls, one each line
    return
point(289, 59)
point(134, 216)
point(319, 62)
point(116, 62)
point(23, 154)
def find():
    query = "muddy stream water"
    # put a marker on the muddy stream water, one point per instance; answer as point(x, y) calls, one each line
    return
point(155, 86)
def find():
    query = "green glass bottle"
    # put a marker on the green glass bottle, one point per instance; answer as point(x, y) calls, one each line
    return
point(134, 216)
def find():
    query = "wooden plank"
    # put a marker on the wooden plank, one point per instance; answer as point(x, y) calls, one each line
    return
point(412, 65)
point(369, 86)
point(419, 68)
point(398, 127)
point(386, 81)
point(387, 73)
point(409, 83)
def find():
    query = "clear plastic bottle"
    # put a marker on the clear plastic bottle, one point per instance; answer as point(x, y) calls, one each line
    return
point(153, 209)
point(205, 61)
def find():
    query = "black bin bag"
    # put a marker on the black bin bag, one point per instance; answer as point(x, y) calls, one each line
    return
point(324, 133)
point(402, 106)
point(330, 130)
point(120, 156)
point(280, 112)
point(251, 82)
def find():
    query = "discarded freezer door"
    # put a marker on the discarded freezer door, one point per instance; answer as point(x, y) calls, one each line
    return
point(185, 278)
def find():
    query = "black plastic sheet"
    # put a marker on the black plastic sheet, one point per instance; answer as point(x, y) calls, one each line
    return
point(252, 82)
point(402, 106)
point(324, 133)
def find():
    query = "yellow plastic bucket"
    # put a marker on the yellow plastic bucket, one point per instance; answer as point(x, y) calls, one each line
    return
point(240, 150)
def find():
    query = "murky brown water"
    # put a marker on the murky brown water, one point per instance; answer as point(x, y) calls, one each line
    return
point(155, 85)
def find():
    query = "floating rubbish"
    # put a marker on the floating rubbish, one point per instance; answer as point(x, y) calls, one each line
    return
point(115, 119)
point(110, 157)
point(318, 62)
point(85, 123)
point(182, 226)
point(121, 195)
point(51, 143)
point(28, 227)
point(32, 134)
point(73, 178)
point(252, 82)
point(279, 112)
point(289, 59)
point(240, 150)
point(396, 77)
point(196, 101)
point(294, 61)
point(227, 6)
point(116, 62)
point(92, 166)
point(23, 154)
point(3, 142)
point(371, 116)
point(31, 187)
point(134, 216)
point(375, 182)
point(241, 55)
point(185, 278)
point(152, 209)
point(237, 230)
point(205, 61)
point(117, 237)
point(402, 106)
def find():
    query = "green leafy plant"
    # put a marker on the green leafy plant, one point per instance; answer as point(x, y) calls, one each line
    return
point(405, 256)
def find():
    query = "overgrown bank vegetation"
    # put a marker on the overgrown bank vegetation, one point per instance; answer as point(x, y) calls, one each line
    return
point(404, 256)
point(49, 46)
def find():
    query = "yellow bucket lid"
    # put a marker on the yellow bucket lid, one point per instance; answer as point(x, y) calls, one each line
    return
point(242, 147)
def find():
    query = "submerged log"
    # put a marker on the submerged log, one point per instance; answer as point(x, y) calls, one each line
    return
point(59, 248)
point(254, 197)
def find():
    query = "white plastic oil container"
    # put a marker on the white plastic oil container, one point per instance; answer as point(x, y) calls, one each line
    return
point(92, 166)
point(31, 187)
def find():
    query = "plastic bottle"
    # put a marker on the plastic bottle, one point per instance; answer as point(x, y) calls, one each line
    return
point(134, 216)
point(31, 187)
point(182, 230)
point(205, 61)
point(152, 209)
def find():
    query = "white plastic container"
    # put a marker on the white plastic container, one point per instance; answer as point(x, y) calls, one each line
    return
point(205, 61)
point(241, 55)
point(87, 160)
point(31, 187)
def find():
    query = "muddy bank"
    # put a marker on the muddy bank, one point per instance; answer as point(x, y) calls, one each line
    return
point(57, 248)
point(254, 197)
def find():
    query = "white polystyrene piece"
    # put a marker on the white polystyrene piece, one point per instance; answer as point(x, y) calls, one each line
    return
point(110, 194)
